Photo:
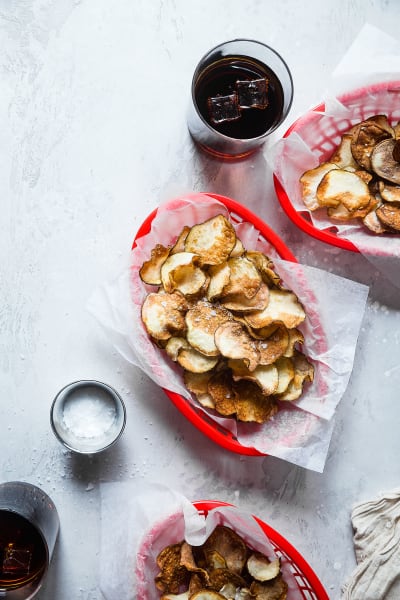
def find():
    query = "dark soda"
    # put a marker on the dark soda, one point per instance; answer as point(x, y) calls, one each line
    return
point(220, 79)
point(23, 553)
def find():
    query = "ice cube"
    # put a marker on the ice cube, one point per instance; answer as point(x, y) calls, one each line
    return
point(223, 108)
point(252, 93)
point(16, 560)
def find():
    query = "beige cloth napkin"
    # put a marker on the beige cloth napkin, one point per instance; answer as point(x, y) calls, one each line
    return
point(376, 527)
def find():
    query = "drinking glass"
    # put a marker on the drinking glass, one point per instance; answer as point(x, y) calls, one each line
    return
point(242, 90)
point(29, 526)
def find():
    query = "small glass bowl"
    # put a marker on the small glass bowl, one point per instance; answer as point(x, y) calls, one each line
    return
point(88, 416)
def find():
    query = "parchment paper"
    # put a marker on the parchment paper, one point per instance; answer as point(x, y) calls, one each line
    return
point(137, 523)
point(301, 431)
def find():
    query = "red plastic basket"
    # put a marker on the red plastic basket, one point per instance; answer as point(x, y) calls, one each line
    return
point(309, 586)
point(322, 134)
point(209, 427)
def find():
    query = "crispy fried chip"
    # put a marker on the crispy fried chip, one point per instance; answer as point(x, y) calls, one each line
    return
point(295, 337)
point(252, 404)
point(283, 306)
point(383, 163)
point(202, 321)
point(174, 345)
point(219, 278)
point(179, 245)
point(240, 303)
point(266, 268)
point(229, 545)
point(164, 314)
point(310, 181)
point(220, 388)
point(207, 595)
point(261, 568)
point(266, 376)
point(193, 360)
point(342, 187)
point(271, 348)
point(276, 589)
point(212, 240)
point(303, 371)
point(389, 216)
point(172, 574)
point(364, 139)
point(233, 341)
point(343, 157)
point(244, 278)
point(150, 271)
point(389, 193)
point(179, 272)
point(223, 576)
point(286, 372)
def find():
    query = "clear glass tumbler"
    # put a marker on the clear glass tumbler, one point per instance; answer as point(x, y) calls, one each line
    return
point(29, 526)
point(242, 90)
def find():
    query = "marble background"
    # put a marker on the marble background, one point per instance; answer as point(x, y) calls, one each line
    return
point(93, 137)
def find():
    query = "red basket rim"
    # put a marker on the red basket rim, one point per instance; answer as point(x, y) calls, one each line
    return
point(217, 433)
point(302, 218)
point(279, 540)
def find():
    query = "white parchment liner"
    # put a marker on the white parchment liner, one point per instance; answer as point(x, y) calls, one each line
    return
point(301, 431)
point(137, 523)
point(316, 135)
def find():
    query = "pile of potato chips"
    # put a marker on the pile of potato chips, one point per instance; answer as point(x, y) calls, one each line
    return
point(222, 313)
point(223, 567)
point(361, 180)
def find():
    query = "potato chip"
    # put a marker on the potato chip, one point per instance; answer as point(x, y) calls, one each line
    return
point(150, 271)
point(220, 388)
point(164, 314)
point(229, 545)
point(286, 373)
point(364, 139)
point(202, 321)
point(276, 589)
point(283, 306)
point(233, 341)
point(295, 337)
point(265, 376)
point(261, 568)
point(342, 187)
point(389, 216)
point(193, 360)
point(388, 192)
point(174, 345)
point(273, 347)
point(343, 157)
point(252, 405)
point(219, 278)
point(244, 278)
point(179, 272)
point(310, 181)
point(172, 574)
point(212, 240)
point(383, 163)
point(240, 303)
point(266, 268)
point(303, 371)
point(179, 245)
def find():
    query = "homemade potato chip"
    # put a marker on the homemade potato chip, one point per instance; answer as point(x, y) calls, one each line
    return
point(360, 178)
point(283, 307)
point(221, 313)
point(212, 240)
point(223, 567)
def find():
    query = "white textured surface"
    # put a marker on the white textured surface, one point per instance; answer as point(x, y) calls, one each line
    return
point(92, 138)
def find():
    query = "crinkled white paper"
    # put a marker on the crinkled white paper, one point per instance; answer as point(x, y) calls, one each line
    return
point(301, 431)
